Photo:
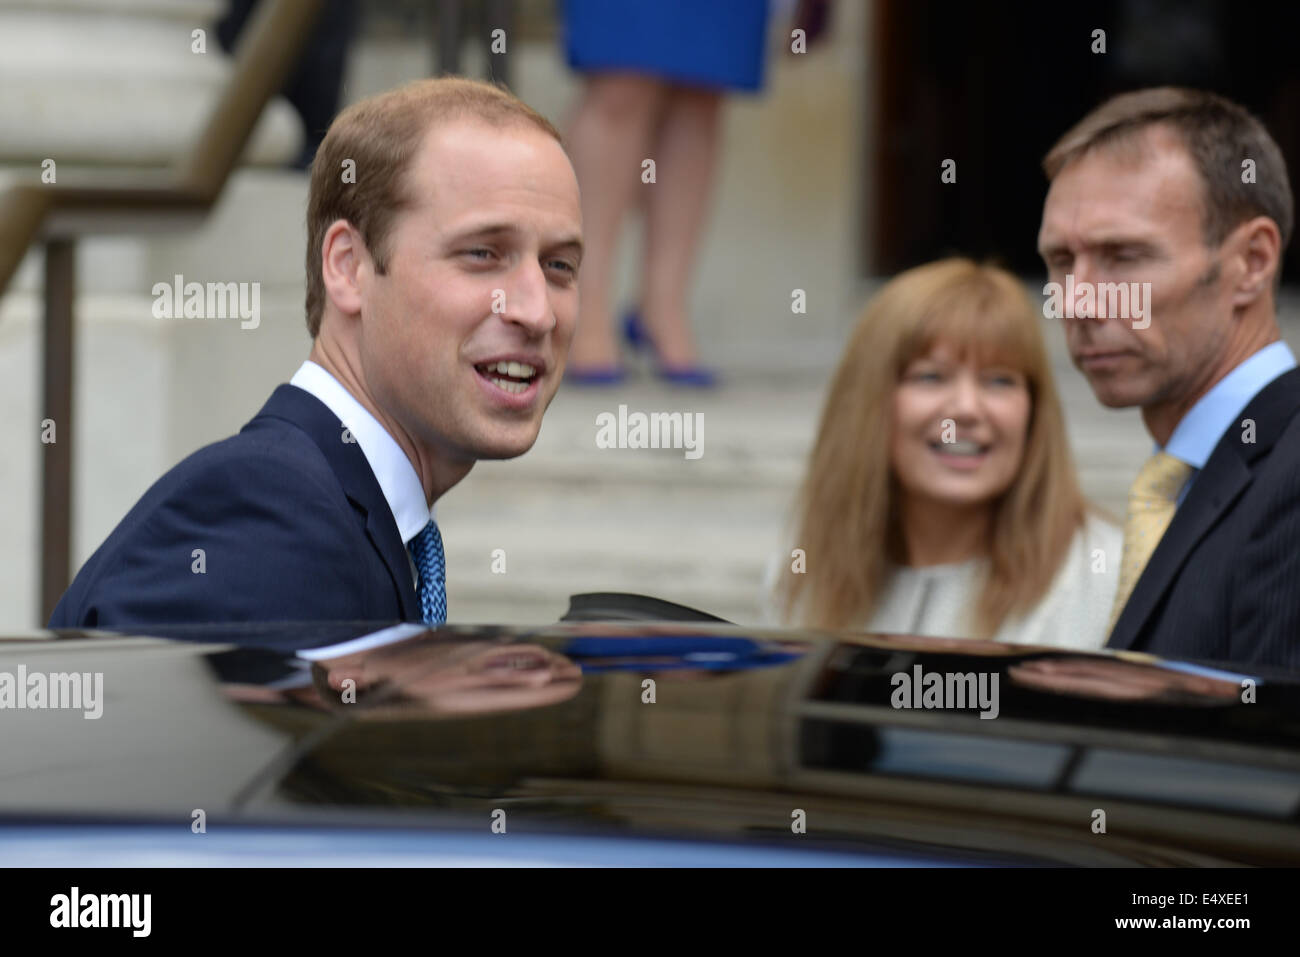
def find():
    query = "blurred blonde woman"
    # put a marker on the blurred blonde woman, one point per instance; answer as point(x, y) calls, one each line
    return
point(941, 496)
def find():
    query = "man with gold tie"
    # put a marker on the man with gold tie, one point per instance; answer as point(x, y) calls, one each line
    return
point(1187, 191)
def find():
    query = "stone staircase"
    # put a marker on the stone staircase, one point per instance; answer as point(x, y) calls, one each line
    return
point(572, 517)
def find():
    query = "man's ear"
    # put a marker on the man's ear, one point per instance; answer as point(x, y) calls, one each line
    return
point(1257, 244)
point(345, 263)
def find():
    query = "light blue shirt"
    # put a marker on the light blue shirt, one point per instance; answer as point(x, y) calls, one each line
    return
point(1215, 412)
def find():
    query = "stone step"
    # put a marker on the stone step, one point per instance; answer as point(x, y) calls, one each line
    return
point(119, 83)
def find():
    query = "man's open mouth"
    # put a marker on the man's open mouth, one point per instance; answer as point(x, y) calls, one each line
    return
point(513, 377)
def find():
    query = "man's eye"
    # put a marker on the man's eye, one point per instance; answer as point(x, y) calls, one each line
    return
point(480, 253)
point(927, 375)
point(563, 266)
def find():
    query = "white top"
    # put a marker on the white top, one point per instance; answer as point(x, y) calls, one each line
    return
point(940, 600)
point(397, 477)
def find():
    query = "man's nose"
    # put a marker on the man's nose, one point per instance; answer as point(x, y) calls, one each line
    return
point(524, 300)
point(1085, 306)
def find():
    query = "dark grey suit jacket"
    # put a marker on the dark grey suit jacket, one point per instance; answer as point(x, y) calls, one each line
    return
point(1223, 584)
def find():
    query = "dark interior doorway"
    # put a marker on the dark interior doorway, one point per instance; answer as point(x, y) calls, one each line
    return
point(992, 86)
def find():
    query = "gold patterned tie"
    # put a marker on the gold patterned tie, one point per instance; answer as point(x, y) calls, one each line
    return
point(1151, 503)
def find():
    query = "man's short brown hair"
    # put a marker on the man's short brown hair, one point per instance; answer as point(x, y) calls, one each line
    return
point(1219, 136)
point(359, 173)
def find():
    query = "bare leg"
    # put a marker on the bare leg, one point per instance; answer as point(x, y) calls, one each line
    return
point(609, 137)
point(685, 153)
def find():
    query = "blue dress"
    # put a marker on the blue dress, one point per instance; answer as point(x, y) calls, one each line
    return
point(717, 44)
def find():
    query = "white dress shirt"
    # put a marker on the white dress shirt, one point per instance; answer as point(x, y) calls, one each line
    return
point(397, 477)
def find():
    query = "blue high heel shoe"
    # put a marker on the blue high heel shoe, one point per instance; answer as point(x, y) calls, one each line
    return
point(692, 376)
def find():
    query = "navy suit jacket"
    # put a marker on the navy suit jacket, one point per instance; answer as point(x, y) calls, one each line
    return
point(1223, 584)
point(292, 524)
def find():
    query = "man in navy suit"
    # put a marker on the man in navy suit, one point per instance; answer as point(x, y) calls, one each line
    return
point(1183, 197)
point(444, 238)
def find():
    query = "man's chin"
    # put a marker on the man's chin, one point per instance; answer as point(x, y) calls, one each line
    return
point(1107, 393)
point(505, 446)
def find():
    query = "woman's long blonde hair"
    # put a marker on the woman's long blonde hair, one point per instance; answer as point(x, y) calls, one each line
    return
point(847, 507)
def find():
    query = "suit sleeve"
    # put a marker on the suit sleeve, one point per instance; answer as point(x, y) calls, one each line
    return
point(1265, 609)
point(246, 539)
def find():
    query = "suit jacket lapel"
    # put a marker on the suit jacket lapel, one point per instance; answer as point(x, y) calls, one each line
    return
point(304, 410)
point(1225, 477)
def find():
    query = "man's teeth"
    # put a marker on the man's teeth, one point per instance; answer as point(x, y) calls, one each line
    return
point(960, 448)
point(509, 385)
point(518, 370)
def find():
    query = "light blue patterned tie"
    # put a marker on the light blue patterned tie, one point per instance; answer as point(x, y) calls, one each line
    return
point(426, 550)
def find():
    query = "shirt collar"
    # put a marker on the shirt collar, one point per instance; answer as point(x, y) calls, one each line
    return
point(1214, 413)
point(397, 477)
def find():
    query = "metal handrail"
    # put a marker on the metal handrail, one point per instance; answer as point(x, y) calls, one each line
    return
point(58, 213)
point(270, 47)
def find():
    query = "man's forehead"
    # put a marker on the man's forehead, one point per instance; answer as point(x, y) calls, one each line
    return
point(468, 155)
point(1145, 187)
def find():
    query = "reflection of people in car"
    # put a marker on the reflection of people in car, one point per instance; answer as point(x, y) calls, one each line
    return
point(941, 497)
point(402, 668)
point(446, 677)
point(676, 653)
point(1116, 680)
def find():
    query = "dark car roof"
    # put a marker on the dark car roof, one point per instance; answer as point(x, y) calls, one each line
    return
point(739, 734)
